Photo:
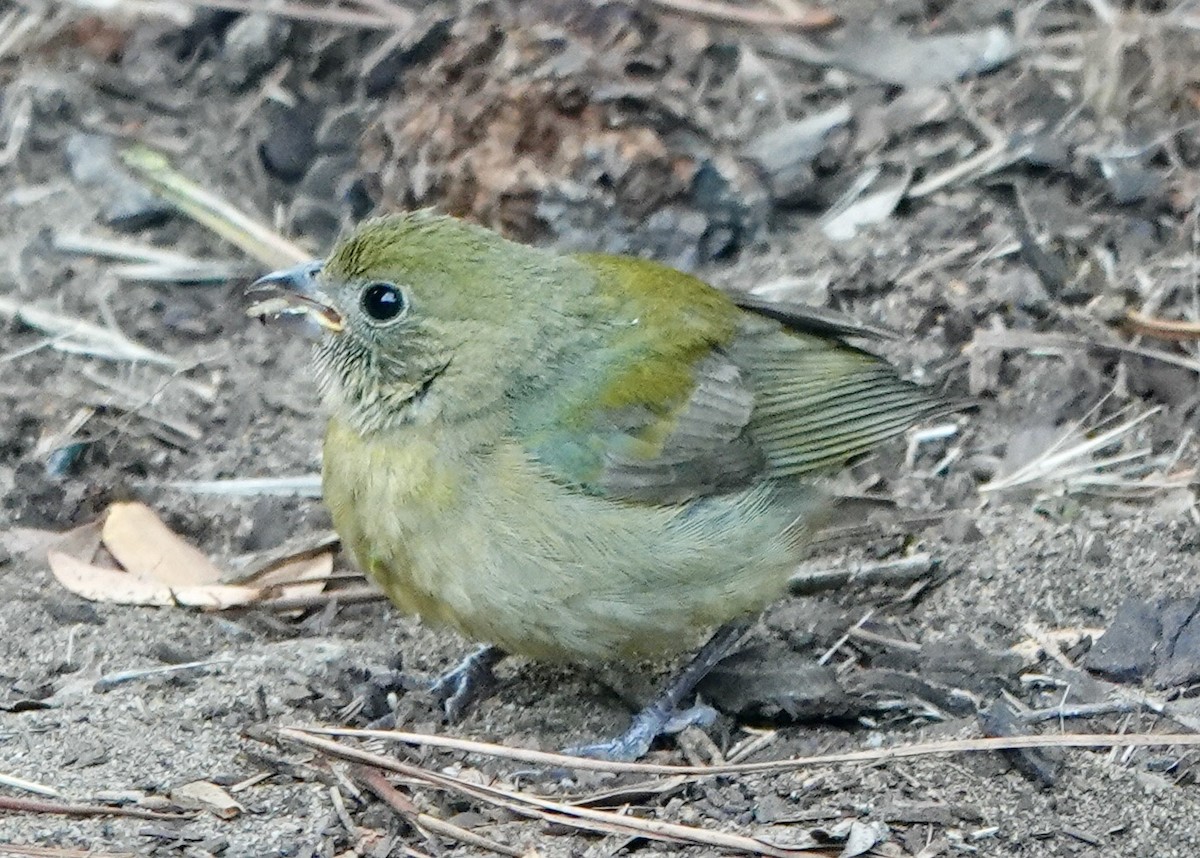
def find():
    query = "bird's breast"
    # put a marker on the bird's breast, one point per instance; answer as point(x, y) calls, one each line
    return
point(481, 538)
point(390, 498)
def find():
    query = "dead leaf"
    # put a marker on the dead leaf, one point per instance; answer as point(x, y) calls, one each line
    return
point(148, 549)
point(248, 567)
point(160, 569)
point(80, 542)
point(102, 584)
point(297, 577)
point(203, 795)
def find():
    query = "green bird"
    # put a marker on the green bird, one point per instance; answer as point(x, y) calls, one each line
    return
point(578, 457)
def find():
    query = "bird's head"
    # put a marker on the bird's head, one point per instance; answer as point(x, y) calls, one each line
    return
point(421, 316)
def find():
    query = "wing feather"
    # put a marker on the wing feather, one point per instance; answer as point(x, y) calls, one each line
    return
point(684, 404)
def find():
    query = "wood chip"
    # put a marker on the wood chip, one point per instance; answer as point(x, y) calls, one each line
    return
point(204, 795)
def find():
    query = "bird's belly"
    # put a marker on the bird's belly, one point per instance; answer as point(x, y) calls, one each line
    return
point(496, 549)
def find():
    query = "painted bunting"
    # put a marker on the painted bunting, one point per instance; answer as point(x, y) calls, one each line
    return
point(575, 457)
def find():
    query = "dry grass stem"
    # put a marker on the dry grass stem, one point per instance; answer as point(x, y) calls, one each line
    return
point(209, 210)
point(737, 15)
point(383, 19)
point(533, 806)
point(922, 749)
point(304, 486)
point(377, 782)
point(13, 849)
point(1072, 466)
point(77, 336)
point(13, 782)
point(31, 805)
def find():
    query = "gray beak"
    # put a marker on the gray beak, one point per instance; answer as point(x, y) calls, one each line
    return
point(293, 292)
point(300, 278)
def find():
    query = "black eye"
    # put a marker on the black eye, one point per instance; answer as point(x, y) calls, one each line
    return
point(383, 302)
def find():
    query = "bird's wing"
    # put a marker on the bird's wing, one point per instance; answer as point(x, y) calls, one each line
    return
point(687, 395)
point(805, 318)
point(816, 407)
point(655, 410)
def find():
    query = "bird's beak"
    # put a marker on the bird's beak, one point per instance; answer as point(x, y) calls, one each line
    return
point(293, 292)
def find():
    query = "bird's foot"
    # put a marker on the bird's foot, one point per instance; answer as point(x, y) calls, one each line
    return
point(664, 715)
point(648, 725)
point(471, 681)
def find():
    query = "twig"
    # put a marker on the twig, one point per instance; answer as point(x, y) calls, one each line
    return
point(902, 570)
point(922, 749)
point(34, 805)
point(339, 807)
point(1053, 464)
point(840, 642)
point(304, 486)
point(1009, 340)
point(309, 12)
point(348, 596)
point(860, 634)
point(583, 818)
point(1081, 710)
point(21, 114)
point(77, 336)
point(206, 208)
point(149, 263)
point(136, 402)
point(995, 157)
point(120, 677)
point(16, 26)
point(1172, 330)
point(58, 852)
point(377, 783)
point(727, 13)
point(14, 782)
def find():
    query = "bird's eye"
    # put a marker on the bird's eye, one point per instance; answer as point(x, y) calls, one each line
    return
point(383, 302)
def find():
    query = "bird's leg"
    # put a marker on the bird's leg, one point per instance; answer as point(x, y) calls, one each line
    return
point(471, 681)
point(663, 714)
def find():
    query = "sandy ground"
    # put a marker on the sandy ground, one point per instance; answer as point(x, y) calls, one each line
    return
point(1007, 568)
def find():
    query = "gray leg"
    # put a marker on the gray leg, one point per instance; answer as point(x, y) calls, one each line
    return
point(663, 715)
point(471, 681)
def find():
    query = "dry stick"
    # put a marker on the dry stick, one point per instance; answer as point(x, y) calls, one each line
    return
point(726, 13)
point(1173, 330)
point(949, 746)
point(57, 852)
point(1082, 710)
point(348, 596)
point(82, 337)
point(866, 636)
point(377, 782)
point(14, 782)
point(209, 210)
point(339, 807)
point(33, 805)
point(902, 570)
point(537, 807)
point(317, 14)
point(1030, 340)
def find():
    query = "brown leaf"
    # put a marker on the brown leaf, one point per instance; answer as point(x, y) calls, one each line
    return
point(81, 541)
point(148, 549)
point(101, 584)
point(304, 575)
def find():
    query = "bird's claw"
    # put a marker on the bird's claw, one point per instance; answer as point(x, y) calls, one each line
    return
point(647, 726)
point(458, 689)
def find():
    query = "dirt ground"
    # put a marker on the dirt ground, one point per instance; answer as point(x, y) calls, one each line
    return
point(960, 270)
